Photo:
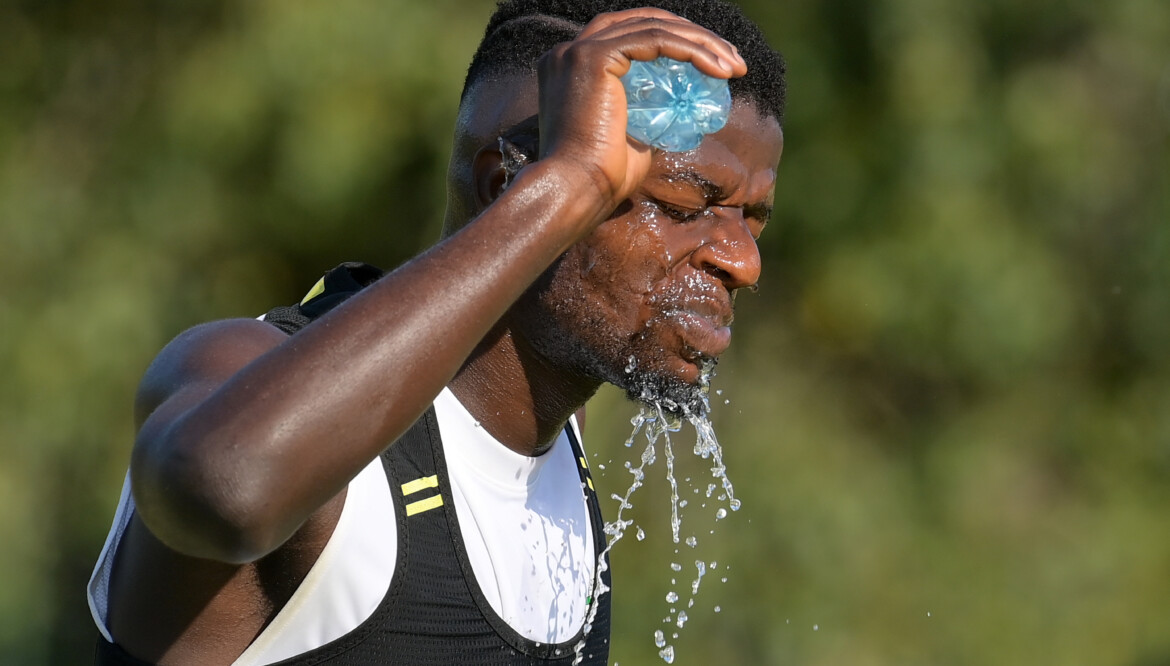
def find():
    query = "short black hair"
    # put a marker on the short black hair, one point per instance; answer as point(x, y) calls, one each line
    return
point(520, 31)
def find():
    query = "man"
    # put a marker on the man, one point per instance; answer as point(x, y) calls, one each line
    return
point(400, 480)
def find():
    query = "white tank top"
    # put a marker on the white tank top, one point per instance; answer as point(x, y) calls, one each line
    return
point(523, 520)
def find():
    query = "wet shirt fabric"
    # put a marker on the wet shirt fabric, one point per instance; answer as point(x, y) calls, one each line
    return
point(527, 533)
point(451, 548)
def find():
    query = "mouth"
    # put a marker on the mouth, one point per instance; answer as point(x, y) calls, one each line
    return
point(703, 336)
point(691, 320)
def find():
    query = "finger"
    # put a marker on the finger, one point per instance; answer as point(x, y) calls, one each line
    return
point(641, 16)
point(727, 56)
point(654, 43)
point(603, 21)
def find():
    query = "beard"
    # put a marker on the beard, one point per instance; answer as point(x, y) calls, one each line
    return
point(670, 394)
point(572, 334)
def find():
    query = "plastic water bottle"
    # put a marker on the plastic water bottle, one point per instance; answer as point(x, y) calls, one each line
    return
point(672, 105)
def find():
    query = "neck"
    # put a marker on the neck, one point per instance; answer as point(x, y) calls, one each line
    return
point(516, 396)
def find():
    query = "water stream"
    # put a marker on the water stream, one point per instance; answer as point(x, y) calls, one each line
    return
point(657, 421)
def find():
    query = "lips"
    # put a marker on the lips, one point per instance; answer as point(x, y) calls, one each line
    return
point(703, 323)
point(691, 315)
point(702, 335)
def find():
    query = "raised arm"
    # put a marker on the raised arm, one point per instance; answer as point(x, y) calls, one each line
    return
point(246, 432)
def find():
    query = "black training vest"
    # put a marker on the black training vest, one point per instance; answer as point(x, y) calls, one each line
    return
point(434, 612)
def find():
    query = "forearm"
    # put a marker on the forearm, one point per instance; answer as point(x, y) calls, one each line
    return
point(235, 475)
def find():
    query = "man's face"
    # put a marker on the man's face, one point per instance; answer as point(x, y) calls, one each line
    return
point(645, 301)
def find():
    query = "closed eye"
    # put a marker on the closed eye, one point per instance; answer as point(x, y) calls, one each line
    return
point(680, 213)
point(759, 214)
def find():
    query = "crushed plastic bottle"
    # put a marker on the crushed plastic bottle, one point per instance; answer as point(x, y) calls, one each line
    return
point(671, 105)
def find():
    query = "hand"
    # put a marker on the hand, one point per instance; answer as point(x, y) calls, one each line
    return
point(583, 103)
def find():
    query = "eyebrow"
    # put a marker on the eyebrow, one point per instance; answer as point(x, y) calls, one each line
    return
point(713, 192)
point(710, 190)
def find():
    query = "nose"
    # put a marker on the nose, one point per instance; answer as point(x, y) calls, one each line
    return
point(729, 251)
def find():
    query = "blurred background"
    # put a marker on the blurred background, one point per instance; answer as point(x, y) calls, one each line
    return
point(947, 409)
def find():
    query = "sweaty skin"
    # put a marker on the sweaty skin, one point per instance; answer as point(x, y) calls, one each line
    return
point(248, 437)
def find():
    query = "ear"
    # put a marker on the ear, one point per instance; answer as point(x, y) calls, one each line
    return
point(488, 175)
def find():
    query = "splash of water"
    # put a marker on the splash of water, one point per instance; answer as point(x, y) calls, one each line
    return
point(656, 420)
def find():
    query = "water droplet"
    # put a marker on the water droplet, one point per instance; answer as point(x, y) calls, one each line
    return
point(640, 535)
point(721, 514)
point(671, 597)
point(659, 638)
point(676, 566)
point(667, 654)
point(682, 619)
point(701, 568)
point(718, 609)
point(692, 541)
point(816, 627)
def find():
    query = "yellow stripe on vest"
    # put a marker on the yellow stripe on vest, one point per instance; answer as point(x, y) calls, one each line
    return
point(590, 482)
point(316, 291)
point(412, 487)
point(424, 505)
point(584, 465)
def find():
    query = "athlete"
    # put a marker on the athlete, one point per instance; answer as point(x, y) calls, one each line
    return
point(390, 471)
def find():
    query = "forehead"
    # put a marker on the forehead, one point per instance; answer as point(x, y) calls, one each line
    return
point(737, 164)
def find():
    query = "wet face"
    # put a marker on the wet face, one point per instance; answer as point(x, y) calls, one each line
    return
point(645, 302)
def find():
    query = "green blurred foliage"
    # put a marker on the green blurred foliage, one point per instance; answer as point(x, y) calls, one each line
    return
point(947, 407)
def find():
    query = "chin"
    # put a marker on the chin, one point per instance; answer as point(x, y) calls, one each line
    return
point(671, 393)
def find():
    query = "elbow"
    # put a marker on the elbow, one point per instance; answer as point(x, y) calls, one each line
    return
point(203, 509)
